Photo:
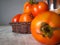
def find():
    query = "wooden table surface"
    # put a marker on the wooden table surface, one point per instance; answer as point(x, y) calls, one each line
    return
point(7, 37)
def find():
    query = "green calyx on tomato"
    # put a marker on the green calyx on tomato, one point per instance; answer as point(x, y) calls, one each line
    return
point(47, 30)
point(31, 2)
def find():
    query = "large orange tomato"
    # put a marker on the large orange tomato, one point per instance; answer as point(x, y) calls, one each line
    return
point(45, 28)
point(25, 17)
point(16, 18)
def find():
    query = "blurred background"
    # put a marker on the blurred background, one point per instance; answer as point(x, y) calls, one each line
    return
point(9, 8)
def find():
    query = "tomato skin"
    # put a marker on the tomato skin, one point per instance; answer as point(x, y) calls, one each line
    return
point(39, 8)
point(35, 10)
point(27, 7)
point(16, 18)
point(53, 20)
point(25, 17)
point(42, 6)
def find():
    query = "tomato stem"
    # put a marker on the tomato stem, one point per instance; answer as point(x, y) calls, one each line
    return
point(31, 1)
point(46, 30)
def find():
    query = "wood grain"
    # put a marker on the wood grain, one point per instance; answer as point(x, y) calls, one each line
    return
point(7, 37)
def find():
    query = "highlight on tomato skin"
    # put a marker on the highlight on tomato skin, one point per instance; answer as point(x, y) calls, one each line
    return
point(39, 8)
point(16, 18)
point(42, 6)
point(25, 17)
point(50, 19)
point(27, 7)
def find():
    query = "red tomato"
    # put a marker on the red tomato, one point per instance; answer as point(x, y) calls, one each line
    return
point(35, 10)
point(25, 17)
point(45, 28)
point(16, 18)
point(27, 7)
point(39, 8)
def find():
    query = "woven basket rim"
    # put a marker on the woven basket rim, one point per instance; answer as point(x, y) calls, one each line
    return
point(18, 23)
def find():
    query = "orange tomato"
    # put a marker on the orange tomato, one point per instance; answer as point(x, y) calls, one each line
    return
point(35, 7)
point(40, 7)
point(45, 28)
point(16, 18)
point(27, 7)
point(25, 17)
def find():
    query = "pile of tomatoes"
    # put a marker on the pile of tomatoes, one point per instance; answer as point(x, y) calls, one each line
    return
point(45, 24)
point(25, 17)
point(30, 8)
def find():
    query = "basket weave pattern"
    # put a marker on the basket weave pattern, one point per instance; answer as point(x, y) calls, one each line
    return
point(23, 27)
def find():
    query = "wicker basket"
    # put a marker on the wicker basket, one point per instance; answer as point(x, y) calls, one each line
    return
point(22, 27)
